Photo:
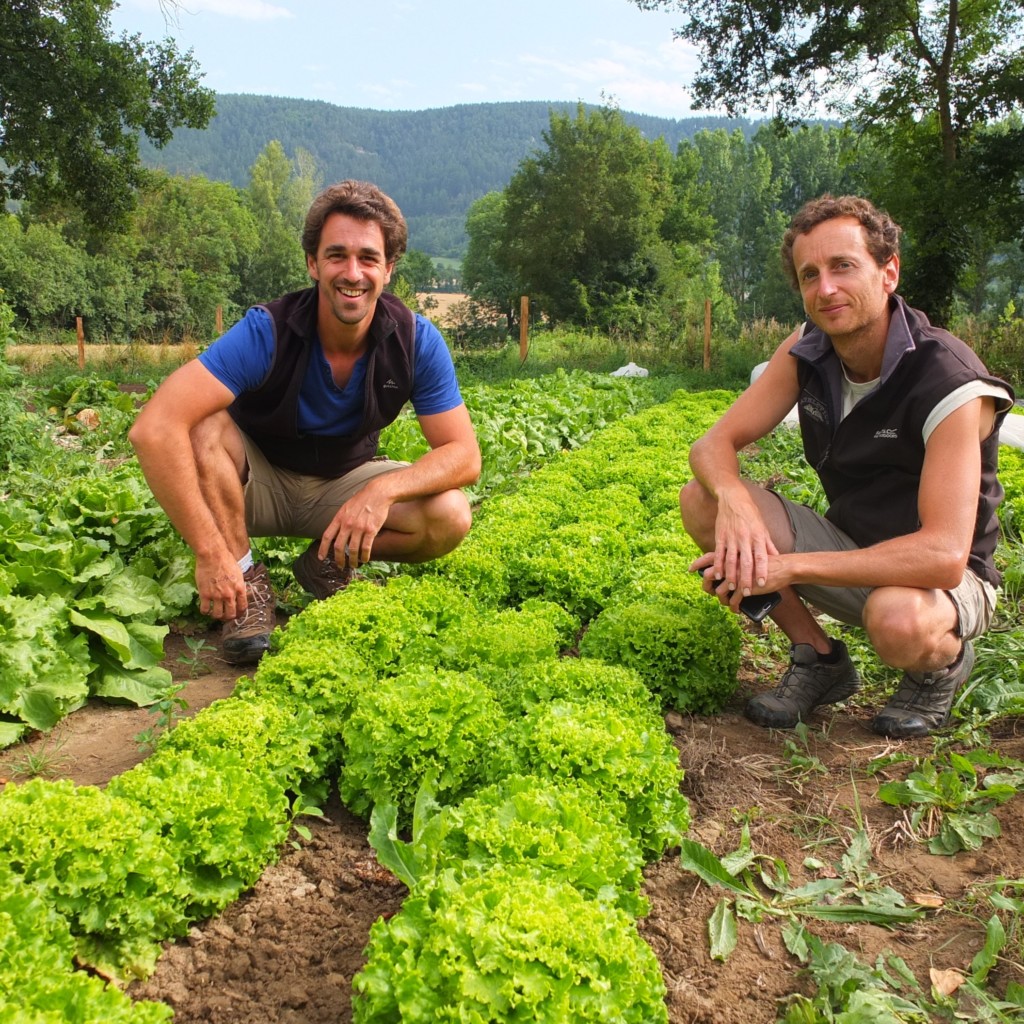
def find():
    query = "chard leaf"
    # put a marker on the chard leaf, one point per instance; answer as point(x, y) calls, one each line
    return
point(722, 930)
point(987, 957)
point(707, 867)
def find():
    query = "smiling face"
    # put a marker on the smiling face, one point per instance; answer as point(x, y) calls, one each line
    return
point(351, 271)
point(844, 290)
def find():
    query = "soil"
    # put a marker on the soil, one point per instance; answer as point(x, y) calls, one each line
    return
point(288, 949)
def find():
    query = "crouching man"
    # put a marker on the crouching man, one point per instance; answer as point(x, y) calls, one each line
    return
point(273, 430)
point(899, 419)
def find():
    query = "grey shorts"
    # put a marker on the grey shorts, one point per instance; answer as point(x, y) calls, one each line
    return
point(280, 503)
point(974, 599)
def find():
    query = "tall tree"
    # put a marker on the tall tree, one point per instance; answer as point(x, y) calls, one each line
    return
point(926, 74)
point(485, 275)
point(279, 194)
point(582, 218)
point(73, 101)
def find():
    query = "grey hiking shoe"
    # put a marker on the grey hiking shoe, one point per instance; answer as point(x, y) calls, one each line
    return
point(322, 577)
point(245, 640)
point(808, 683)
point(922, 701)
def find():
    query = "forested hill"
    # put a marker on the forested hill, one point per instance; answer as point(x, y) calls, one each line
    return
point(433, 162)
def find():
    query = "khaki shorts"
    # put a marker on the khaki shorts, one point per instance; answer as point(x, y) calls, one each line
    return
point(280, 503)
point(974, 599)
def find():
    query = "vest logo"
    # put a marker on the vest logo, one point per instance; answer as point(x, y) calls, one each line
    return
point(813, 408)
point(887, 434)
point(389, 383)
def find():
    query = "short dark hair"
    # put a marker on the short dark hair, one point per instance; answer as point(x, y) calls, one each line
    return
point(883, 233)
point(363, 201)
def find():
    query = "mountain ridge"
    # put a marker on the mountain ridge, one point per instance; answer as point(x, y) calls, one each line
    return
point(434, 162)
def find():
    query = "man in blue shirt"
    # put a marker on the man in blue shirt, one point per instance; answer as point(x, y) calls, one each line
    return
point(273, 430)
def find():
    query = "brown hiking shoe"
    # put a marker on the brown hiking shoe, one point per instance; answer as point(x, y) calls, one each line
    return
point(808, 683)
point(922, 702)
point(322, 577)
point(244, 640)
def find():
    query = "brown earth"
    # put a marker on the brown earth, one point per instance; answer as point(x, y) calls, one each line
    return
point(287, 950)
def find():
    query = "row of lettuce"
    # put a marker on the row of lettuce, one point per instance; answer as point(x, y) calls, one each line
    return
point(91, 571)
point(535, 785)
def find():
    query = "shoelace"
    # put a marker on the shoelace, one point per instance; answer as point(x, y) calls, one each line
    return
point(259, 596)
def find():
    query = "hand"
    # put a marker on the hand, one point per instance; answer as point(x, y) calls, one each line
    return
point(354, 528)
point(743, 546)
point(221, 587)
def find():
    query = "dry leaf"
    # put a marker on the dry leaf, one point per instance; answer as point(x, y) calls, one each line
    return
point(945, 982)
point(927, 899)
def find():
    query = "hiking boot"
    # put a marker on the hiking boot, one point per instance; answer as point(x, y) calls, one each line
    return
point(322, 577)
point(808, 683)
point(245, 639)
point(922, 702)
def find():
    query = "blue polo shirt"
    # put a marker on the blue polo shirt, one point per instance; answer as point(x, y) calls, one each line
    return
point(241, 357)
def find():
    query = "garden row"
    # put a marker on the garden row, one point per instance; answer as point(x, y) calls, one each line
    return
point(90, 569)
point(442, 700)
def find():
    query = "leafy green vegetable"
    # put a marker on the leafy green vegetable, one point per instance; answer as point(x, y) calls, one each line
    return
point(626, 759)
point(506, 946)
point(424, 723)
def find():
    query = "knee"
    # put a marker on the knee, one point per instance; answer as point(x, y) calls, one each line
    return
point(896, 623)
point(448, 521)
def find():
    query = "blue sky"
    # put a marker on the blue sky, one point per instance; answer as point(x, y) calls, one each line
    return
point(418, 54)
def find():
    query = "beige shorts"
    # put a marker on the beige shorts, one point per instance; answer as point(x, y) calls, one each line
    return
point(280, 503)
point(974, 599)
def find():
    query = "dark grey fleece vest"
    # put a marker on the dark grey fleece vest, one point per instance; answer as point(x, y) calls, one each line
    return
point(269, 413)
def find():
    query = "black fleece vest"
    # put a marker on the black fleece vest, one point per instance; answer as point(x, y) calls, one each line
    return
point(269, 413)
point(870, 462)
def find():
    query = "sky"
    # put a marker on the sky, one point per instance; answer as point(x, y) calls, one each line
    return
point(420, 54)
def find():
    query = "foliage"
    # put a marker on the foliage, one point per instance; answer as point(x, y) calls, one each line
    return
point(424, 724)
point(221, 817)
point(586, 256)
point(279, 193)
point(627, 759)
point(84, 848)
point(952, 805)
point(507, 946)
point(924, 80)
point(75, 101)
point(38, 984)
point(552, 830)
point(760, 887)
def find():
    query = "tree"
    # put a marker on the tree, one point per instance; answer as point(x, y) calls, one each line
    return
point(582, 218)
point(926, 76)
point(73, 101)
point(485, 275)
point(416, 268)
point(279, 194)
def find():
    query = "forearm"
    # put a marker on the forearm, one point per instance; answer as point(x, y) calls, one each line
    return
point(918, 560)
point(447, 467)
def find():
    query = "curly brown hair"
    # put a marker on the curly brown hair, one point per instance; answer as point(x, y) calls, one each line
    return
point(882, 233)
point(361, 200)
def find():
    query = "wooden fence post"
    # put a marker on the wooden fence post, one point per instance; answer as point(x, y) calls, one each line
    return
point(80, 331)
point(524, 327)
point(220, 321)
point(707, 334)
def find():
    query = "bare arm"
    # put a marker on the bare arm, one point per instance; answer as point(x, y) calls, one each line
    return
point(161, 439)
point(453, 461)
point(742, 539)
point(935, 555)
